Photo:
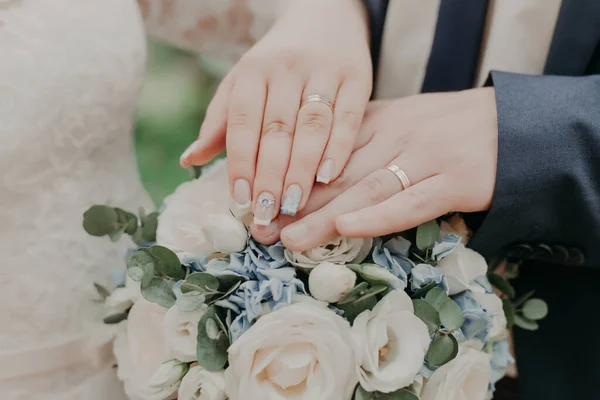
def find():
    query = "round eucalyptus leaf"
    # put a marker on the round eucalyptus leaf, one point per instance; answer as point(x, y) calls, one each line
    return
point(362, 394)
point(140, 267)
point(116, 235)
point(509, 311)
point(502, 284)
point(354, 308)
point(421, 293)
point(115, 318)
point(436, 297)
point(212, 346)
point(451, 315)
point(100, 220)
point(401, 394)
point(167, 262)
point(202, 282)
point(227, 281)
point(190, 301)
point(427, 314)
point(525, 323)
point(535, 309)
point(442, 350)
point(149, 227)
point(427, 234)
point(160, 291)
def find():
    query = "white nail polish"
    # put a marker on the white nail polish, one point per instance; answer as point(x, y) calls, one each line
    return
point(325, 173)
point(264, 211)
point(192, 147)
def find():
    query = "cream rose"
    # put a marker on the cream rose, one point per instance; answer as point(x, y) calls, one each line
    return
point(331, 282)
point(467, 377)
point(121, 299)
point(200, 384)
point(461, 267)
point(390, 343)
point(140, 350)
point(227, 233)
point(493, 305)
point(182, 225)
point(180, 330)
point(300, 352)
point(341, 250)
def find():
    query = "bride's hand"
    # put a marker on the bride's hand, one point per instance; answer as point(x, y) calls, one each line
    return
point(445, 143)
point(276, 145)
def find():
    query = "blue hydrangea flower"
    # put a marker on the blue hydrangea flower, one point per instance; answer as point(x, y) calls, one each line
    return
point(445, 246)
point(423, 274)
point(194, 262)
point(477, 321)
point(393, 255)
point(501, 359)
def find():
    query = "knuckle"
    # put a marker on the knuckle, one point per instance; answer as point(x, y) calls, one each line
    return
point(349, 118)
point(417, 199)
point(373, 188)
point(238, 119)
point(278, 128)
point(315, 122)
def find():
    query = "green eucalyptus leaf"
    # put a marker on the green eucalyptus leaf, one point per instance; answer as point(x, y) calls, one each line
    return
point(202, 282)
point(213, 342)
point(140, 267)
point(190, 301)
point(354, 294)
point(424, 290)
point(442, 350)
point(436, 297)
point(354, 308)
point(116, 235)
point(160, 291)
point(362, 394)
point(502, 284)
point(115, 318)
point(525, 323)
point(227, 281)
point(509, 311)
point(149, 227)
point(401, 394)
point(100, 220)
point(373, 291)
point(535, 309)
point(427, 314)
point(102, 291)
point(427, 234)
point(227, 293)
point(451, 315)
point(167, 262)
point(522, 299)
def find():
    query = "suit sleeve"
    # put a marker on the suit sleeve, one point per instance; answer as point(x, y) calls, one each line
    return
point(548, 176)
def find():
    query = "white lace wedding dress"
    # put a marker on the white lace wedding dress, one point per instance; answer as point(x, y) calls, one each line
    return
point(70, 76)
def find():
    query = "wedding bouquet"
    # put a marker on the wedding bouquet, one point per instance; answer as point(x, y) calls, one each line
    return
point(211, 314)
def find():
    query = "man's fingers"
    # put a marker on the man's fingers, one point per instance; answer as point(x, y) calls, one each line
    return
point(417, 204)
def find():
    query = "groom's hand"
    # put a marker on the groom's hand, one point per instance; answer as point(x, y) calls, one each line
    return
point(445, 143)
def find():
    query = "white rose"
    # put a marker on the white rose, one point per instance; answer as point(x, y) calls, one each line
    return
point(121, 299)
point(300, 352)
point(391, 343)
point(169, 374)
point(493, 305)
point(467, 377)
point(461, 267)
point(331, 282)
point(341, 250)
point(180, 330)
point(200, 384)
point(182, 225)
point(227, 233)
point(140, 350)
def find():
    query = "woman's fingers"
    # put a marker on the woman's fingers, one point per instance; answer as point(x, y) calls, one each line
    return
point(244, 124)
point(211, 140)
point(411, 207)
point(350, 106)
point(284, 96)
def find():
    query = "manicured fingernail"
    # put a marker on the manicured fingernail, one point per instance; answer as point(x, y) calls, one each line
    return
point(349, 221)
point(325, 173)
point(291, 200)
point(264, 211)
point(183, 160)
point(295, 232)
point(241, 194)
point(270, 230)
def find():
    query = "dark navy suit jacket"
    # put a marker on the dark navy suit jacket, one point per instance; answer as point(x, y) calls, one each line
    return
point(546, 206)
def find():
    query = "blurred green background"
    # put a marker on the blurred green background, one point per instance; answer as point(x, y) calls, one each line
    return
point(174, 99)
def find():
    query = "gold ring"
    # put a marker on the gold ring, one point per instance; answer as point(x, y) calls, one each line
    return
point(401, 175)
point(315, 98)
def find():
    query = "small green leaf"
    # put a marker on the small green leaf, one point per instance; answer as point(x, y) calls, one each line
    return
point(227, 293)
point(427, 314)
point(436, 297)
point(354, 308)
point(525, 323)
point(509, 311)
point(140, 267)
point(502, 284)
point(213, 342)
point(202, 282)
point(227, 281)
point(160, 291)
point(424, 290)
point(115, 318)
point(190, 301)
point(356, 292)
point(535, 309)
point(167, 262)
point(442, 350)
point(373, 291)
point(427, 234)
point(149, 227)
point(100, 220)
point(451, 315)
point(116, 235)
point(401, 394)
point(102, 291)
point(362, 394)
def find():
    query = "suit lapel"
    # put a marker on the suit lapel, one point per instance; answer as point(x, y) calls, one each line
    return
point(576, 37)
